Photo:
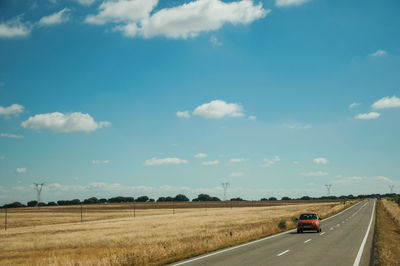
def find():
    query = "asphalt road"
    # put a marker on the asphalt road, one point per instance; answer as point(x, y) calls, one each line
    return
point(346, 239)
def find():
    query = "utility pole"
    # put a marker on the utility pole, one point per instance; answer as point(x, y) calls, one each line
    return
point(328, 188)
point(38, 188)
point(225, 186)
point(391, 187)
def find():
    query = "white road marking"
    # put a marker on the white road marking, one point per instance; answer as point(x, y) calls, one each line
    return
point(322, 233)
point(308, 240)
point(280, 254)
point(255, 241)
point(360, 251)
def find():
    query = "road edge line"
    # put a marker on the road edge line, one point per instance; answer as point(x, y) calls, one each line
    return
point(361, 250)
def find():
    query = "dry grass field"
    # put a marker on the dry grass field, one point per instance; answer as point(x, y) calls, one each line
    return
point(387, 242)
point(153, 237)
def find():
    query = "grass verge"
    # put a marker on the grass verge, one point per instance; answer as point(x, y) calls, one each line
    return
point(387, 238)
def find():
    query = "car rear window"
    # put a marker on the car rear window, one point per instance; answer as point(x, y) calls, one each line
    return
point(308, 216)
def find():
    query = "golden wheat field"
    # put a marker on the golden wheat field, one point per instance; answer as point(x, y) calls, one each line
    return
point(152, 237)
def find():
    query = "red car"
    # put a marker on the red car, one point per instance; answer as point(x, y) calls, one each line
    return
point(309, 221)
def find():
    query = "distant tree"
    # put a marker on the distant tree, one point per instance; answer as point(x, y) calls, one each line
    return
point(263, 199)
point(32, 203)
point(181, 197)
point(75, 202)
point(237, 199)
point(14, 205)
point(142, 199)
point(205, 197)
point(121, 199)
point(41, 204)
point(161, 199)
point(215, 199)
point(305, 198)
point(102, 200)
point(51, 203)
point(151, 200)
point(92, 200)
point(272, 198)
point(285, 198)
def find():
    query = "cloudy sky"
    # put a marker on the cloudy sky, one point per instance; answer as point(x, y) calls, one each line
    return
point(159, 97)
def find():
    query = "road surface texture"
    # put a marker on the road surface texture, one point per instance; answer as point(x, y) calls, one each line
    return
point(346, 239)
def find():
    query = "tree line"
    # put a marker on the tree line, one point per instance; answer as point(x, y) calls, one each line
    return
point(183, 198)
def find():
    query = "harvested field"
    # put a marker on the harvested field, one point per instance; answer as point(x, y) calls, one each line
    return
point(33, 216)
point(146, 239)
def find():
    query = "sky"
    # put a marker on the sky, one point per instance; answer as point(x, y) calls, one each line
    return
point(160, 97)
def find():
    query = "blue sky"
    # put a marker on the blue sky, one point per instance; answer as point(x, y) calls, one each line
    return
point(278, 98)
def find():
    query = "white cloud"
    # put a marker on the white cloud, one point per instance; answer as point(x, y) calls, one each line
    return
point(1, 84)
point(164, 161)
point(371, 115)
point(252, 117)
point(320, 160)
point(218, 109)
point(238, 160)
point(187, 20)
point(183, 114)
point(2, 157)
point(59, 122)
point(86, 2)
point(268, 162)
point(7, 135)
point(13, 109)
point(297, 125)
point(359, 179)
point(236, 174)
point(354, 105)
point(378, 53)
point(317, 173)
point(200, 155)
point(122, 11)
point(387, 102)
point(210, 163)
point(14, 29)
point(215, 41)
point(285, 3)
point(56, 18)
point(100, 162)
point(21, 170)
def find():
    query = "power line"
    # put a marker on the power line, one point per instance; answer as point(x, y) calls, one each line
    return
point(328, 188)
point(38, 188)
point(225, 186)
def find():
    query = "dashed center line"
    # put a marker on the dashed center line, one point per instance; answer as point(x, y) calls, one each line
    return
point(280, 254)
point(308, 240)
point(322, 233)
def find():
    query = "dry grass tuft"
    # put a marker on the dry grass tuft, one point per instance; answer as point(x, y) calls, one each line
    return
point(146, 240)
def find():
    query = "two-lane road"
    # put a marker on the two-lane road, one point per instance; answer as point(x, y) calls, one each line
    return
point(346, 239)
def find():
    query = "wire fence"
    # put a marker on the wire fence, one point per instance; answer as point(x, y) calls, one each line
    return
point(48, 215)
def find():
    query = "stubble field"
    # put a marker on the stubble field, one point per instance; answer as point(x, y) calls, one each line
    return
point(155, 236)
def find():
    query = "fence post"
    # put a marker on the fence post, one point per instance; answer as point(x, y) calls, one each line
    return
point(231, 205)
point(206, 205)
point(81, 213)
point(134, 210)
point(5, 221)
point(173, 207)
